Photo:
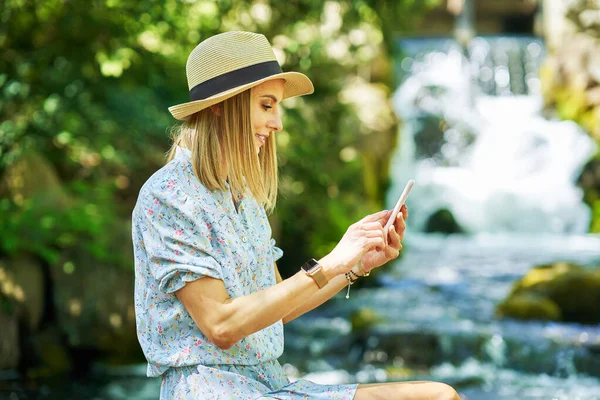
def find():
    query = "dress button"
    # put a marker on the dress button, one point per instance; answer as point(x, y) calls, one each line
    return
point(244, 239)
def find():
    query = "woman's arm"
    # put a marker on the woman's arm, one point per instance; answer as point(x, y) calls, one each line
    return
point(225, 321)
point(321, 296)
point(396, 235)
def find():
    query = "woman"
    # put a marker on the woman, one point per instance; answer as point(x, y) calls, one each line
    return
point(210, 303)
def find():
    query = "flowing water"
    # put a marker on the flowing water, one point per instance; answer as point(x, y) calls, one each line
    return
point(437, 306)
point(476, 140)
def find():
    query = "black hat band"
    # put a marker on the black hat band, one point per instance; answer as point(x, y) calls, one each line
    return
point(233, 79)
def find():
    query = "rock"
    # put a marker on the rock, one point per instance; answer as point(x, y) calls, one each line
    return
point(93, 301)
point(590, 176)
point(584, 307)
point(560, 291)
point(421, 350)
point(11, 299)
point(27, 277)
point(529, 306)
point(429, 138)
point(589, 181)
point(31, 176)
point(442, 221)
point(543, 274)
point(364, 319)
point(9, 339)
point(51, 355)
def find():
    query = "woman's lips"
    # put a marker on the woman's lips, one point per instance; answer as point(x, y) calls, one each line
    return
point(261, 138)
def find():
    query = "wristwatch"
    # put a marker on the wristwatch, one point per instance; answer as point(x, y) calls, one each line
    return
point(315, 271)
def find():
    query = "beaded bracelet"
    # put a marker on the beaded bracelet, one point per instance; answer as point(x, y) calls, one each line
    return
point(350, 282)
point(355, 274)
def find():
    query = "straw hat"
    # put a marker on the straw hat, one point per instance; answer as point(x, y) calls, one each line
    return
point(229, 63)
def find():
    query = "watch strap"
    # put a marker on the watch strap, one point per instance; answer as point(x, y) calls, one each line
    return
point(313, 269)
point(319, 277)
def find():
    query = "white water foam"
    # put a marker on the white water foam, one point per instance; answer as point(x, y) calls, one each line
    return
point(517, 172)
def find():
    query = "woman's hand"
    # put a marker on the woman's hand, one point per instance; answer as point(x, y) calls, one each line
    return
point(361, 237)
point(377, 257)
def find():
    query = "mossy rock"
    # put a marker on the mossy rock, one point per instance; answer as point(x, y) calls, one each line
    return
point(574, 290)
point(577, 293)
point(93, 300)
point(9, 338)
point(32, 176)
point(24, 277)
point(529, 306)
point(442, 221)
point(539, 276)
point(52, 356)
point(589, 182)
point(364, 319)
point(429, 138)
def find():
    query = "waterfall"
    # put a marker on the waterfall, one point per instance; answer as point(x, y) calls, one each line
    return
point(474, 137)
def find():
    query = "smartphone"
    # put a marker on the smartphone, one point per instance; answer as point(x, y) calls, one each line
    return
point(399, 204)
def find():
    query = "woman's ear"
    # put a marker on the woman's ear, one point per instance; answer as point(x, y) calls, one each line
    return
point(216, 109)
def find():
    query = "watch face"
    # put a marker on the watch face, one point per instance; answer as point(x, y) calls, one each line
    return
point(310, 264)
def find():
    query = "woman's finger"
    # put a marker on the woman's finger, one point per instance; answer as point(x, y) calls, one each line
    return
point(404, 211)
point(391, 252)
point(377, 216)
point(375, 242)
point(394, 238)
point(374, 233)
point(400, 225)
point(383, 220)
point(372, 226)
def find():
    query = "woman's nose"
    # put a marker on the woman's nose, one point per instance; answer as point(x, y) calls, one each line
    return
point(275, 124)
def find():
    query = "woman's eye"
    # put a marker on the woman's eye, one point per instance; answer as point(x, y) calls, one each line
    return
point(266, 107)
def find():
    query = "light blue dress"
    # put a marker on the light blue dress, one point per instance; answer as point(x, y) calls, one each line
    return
point(182, 232)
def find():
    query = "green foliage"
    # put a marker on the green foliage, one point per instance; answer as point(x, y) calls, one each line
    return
point(595, 217)
point(6, 305)
point(87, 84)
point(88, 222)
point(570, 87)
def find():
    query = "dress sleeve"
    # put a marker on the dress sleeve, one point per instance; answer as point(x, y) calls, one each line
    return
point(177, 240)
point(276, 251)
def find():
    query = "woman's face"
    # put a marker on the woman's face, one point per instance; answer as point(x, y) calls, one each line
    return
point(265, 111)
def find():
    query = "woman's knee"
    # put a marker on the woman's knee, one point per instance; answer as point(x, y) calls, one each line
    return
point(407, 390)
point(445, 392)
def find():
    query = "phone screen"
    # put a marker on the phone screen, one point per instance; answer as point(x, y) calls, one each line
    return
point(398, 206)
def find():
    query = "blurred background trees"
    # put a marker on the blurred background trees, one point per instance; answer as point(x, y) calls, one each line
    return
point(84, 91)
point(85, 86)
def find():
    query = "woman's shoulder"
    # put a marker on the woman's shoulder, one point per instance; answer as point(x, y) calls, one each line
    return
point(174, 185)
point(166, 178)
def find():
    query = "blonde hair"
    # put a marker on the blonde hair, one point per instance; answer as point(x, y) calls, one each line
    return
point(223, 148)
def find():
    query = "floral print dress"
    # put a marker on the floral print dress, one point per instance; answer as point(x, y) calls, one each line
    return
point(182, 232)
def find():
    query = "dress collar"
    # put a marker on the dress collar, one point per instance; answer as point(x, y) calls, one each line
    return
point(182, 152)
